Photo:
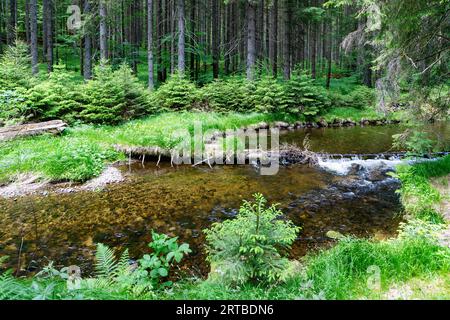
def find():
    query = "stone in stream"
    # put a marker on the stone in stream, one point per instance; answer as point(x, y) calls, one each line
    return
point(281, 124)
point(334, 235)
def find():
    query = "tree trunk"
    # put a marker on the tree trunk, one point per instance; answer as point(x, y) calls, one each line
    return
point(27, 20)
point(314, 47)
point(171, 18)
point(273, 37)
point(150, 43)
point(215, 38)
point(329, 54)
point(286, 42)
point(103, 38)
point(192, 59)
point(33, 37)
point(87, 63)
point(48, 16)
point(11, 38)
point(251, 40)
point(181, 37)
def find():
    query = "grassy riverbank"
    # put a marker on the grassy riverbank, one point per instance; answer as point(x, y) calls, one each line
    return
point(82, 152)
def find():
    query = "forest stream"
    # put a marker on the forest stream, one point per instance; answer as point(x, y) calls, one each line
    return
point(349, 196)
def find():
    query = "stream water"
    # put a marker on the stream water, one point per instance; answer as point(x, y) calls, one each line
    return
point(184, 200)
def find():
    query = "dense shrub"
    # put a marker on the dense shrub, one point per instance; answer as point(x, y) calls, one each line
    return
point(15, 67)
point(57, 97)
point(304, 98)
point(252, 246)
point(113, 95)
point(227, 95)
point(14, 108)
point(178, 93)
point(298, 96)
point(269, 95)
point(359, 97)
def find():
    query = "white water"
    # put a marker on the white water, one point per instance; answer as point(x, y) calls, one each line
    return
point(343, 166)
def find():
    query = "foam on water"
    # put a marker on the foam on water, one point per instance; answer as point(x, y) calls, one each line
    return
point(344, 165)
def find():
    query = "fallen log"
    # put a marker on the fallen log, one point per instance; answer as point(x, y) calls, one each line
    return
point(32, 129)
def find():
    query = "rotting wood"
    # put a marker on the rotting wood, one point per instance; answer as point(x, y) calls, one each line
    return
point(32, 129)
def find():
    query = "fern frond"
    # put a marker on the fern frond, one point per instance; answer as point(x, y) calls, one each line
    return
point(105, 265)
point(123, 266)
point(11, 289)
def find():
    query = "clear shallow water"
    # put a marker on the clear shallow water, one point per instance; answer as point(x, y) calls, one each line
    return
point(182, 201)
point(357, 140)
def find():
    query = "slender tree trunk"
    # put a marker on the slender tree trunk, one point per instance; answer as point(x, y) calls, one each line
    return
point(150, 43)
point(33, 37)
point(228, 38)
point(12, 26)
point(314, 47)
point(286, 41)
point(329, 54)
point(172, 19)
point(87, 63)
point(49, 34)
point(215, 38)
point(273, 37)
point(251, 40)
point(27, 20)
point(181, 37)
point(103, 38)
point(192, 59)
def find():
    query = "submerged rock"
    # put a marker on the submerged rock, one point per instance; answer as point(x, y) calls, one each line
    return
point(334, 235)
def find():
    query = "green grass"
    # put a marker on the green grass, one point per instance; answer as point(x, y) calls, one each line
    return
point(419, 197)
point(341, 272)
point(82, 152)
point(65, 158)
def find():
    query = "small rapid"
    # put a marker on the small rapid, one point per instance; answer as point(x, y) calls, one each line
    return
point(344, 166)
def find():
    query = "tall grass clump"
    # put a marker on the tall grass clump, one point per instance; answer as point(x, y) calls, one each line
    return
point(57, 159)
point(342, 272)
point(419, 197)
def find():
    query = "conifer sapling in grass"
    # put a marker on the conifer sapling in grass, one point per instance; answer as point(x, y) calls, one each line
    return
point(252, 247)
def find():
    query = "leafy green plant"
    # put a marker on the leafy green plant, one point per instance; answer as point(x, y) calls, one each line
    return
point(419, 197)
point(14, 108)
point(166, 252)
point(252, 246)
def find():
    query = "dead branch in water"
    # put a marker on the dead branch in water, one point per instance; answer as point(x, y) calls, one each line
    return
point(291, 153)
